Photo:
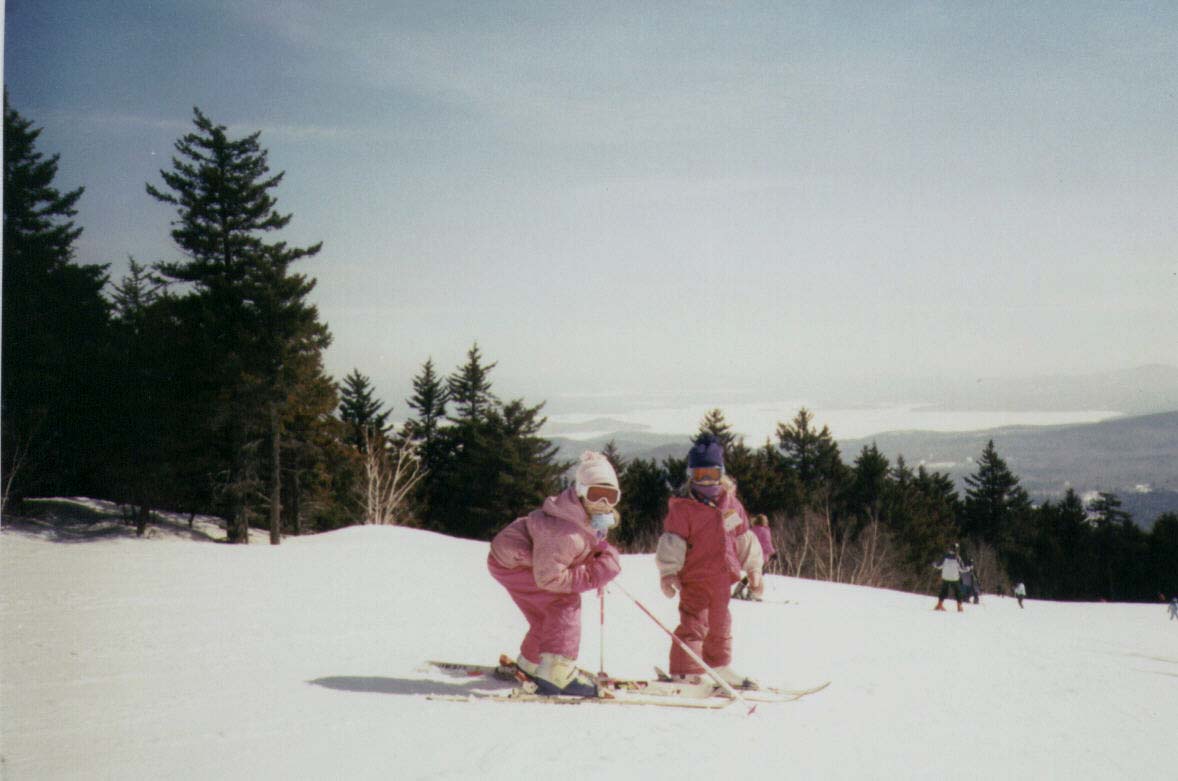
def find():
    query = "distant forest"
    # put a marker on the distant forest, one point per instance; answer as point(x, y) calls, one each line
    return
point(197, 385)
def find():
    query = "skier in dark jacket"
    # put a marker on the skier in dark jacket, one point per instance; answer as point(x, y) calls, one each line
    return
point(951, 568)
point(969, 583)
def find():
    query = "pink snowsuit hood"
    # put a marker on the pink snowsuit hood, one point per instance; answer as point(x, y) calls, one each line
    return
point(554, 541)
point(711, 548)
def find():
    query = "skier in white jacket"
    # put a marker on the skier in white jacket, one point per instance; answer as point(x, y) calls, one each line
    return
point(951, 568)
point(1020, 591)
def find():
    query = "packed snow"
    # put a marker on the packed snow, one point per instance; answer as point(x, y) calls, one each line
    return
point(171, 656)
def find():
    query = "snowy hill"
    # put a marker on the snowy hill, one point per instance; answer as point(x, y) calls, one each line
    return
point(171, 657)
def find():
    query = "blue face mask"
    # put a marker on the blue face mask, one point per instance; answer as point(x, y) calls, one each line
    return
point(602, 522)
point(710, 492)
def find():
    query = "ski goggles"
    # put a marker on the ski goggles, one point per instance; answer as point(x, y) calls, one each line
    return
point(602, 493)
point(705, 475)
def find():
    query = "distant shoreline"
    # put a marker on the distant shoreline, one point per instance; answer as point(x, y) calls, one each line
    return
point(756, 421)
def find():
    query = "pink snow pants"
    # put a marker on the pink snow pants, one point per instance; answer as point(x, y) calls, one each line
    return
point(554, 619)
point(704, 624)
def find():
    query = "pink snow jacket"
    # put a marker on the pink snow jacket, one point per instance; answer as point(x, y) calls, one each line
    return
point(563, 553)
point(765, 537)
point(714, 545)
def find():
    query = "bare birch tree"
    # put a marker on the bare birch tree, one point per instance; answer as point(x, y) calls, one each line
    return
point(808, 547)
point(390, 474)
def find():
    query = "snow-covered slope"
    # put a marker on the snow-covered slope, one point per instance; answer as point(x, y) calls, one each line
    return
point(173, 658)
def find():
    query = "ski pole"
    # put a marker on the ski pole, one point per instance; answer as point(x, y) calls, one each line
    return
point(723, 684)
point(601, 662)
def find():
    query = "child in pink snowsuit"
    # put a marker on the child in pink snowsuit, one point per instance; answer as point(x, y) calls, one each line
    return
point(705, 544)
point(765, 537)
point(547, 559)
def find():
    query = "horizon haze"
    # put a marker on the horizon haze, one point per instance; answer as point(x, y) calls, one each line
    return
point(773, 200)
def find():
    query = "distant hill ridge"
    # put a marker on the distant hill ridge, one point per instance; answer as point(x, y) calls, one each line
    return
point(1142, 390)
point(1134, 457)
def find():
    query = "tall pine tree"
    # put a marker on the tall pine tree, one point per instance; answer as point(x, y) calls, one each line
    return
point(430, 395)
point(470, 389)
point(364, 415)
point(715, 424)
point(995, 503)
point(261, 332)
point(55, 330)
point(142, 408)
point(812, 455)
point(490, 465)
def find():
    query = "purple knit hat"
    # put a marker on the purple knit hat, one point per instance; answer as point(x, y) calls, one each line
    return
point(707, 451)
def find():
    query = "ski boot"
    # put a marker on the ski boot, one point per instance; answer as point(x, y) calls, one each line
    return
point(735, 679)
point(940, 605)
point(521, 669)
point(558, 676)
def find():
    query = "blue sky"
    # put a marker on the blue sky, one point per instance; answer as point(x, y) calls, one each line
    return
point(767, 198)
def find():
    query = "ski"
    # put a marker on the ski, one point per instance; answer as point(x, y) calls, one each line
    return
point(764, 601)
point(506, 670)
point(611, 698)
point(662, 687)
point(763, 694)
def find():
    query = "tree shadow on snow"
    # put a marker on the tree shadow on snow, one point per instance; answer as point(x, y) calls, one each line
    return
point(54, 529)
point(375, 684)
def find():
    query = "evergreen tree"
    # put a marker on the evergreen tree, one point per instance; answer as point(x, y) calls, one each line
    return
point(812, 455)
point(1077, 554)
point(645, 492)
point(995, 503)
point(1163, 555)
point(490, 465)
point(768, 484)
point(431, 394)
point(141, 408)
point(490, 471)
point(920, 508)
point(612, 454)
point(868, 486)
point(1062, 564)
point(470, 388)
point(1116, 546)
point(429, 399)
point(311, 447)
point(364, 415)
point(532, 471)
point(260, 329)
point(714, 423)
point(55, 330)
point(1107, 512)
point(675, 470)
point(135, 293)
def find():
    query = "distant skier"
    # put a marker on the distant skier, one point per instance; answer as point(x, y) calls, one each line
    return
point(705, 544)
point(1020, 591)
point(1174, 608)
point(951, 567)
point(969, 582)
point(764, 536)
point(547, 559)
point(760, 530)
